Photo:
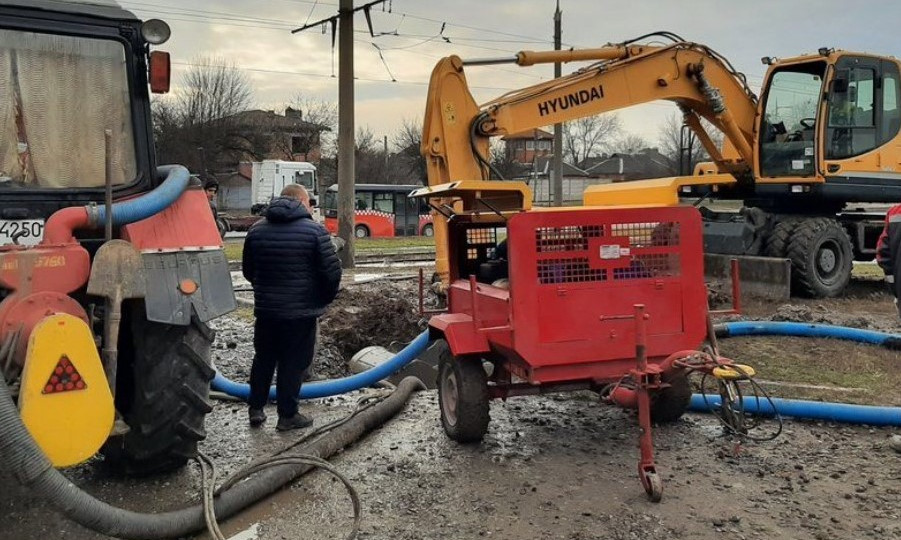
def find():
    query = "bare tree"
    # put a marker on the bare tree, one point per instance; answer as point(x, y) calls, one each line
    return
point(628, 143)
point(670, 141)
point(202, 116)
point(586, 137)
point(213, 89)
point(407, 164)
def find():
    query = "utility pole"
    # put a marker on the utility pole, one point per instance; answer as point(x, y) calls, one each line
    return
point(346, 130)
point(345, 24)
point(557, 171)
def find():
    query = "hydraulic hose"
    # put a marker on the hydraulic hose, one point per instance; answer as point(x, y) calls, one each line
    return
point(21, 455)
point(62, 224)
point(336, 386)
point(814, 410)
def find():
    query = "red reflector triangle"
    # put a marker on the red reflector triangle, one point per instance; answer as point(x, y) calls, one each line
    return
point(64, 378)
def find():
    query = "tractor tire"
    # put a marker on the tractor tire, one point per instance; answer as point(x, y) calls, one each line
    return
point(462, 397)
point(670, 403)
point(821, 256)
point(162, 391)
point(777, 242)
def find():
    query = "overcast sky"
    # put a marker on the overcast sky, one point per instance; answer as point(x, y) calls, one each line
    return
point(255, 35)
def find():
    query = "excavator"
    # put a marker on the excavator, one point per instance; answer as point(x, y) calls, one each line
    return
point(808, 159)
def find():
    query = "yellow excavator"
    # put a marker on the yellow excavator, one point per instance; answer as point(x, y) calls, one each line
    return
point(821, 140)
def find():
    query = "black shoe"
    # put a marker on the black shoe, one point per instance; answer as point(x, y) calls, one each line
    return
point(257, 417)
point(298, 421)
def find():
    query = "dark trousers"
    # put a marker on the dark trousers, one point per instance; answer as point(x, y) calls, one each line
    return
point(286, 344)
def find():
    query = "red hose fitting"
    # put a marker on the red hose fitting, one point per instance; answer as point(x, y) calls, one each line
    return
point(61, 226)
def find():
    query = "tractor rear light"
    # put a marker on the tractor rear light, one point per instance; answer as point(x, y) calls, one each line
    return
point(160, 72)
point(64, 378)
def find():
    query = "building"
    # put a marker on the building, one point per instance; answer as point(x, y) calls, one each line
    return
point(292, 138)
point(619, 167)
point(525, 146)
point(234, 189)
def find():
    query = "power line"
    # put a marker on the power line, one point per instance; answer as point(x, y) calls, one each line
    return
point(324, 76)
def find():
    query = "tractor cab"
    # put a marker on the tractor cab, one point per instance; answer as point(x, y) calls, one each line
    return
point(69, 73)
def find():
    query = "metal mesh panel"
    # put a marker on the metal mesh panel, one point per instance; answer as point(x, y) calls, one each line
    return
point(483, 239)
point(553, 239)
point(651, 234)
point(573, 270)
point(651, 250)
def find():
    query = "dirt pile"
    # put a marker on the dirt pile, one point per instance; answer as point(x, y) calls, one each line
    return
point(821, 315)
point(381, 313)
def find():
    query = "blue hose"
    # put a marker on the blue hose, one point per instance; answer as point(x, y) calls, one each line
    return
point(147, 205)
point(336, 386)
point(814, 410)
point(769, 328)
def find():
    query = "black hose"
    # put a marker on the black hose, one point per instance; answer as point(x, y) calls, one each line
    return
point(21, 455)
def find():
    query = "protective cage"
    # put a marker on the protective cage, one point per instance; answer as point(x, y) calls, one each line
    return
point(573, 275)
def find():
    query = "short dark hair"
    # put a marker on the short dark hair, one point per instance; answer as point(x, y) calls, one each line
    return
point(211, 184)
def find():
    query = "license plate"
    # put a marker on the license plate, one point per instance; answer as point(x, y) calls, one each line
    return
point(26, 232)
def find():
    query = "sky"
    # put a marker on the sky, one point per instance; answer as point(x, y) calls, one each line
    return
point(413, 35)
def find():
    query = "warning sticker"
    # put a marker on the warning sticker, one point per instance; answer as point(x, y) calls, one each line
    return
point(611, 251)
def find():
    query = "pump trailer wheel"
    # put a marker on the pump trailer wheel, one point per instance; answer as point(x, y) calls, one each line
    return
point(463, 397)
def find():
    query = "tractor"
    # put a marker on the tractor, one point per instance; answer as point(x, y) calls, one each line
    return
point(111, 267)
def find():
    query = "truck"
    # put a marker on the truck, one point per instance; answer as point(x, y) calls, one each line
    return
point(807, 162)
point(111, 267)
point(268, 178)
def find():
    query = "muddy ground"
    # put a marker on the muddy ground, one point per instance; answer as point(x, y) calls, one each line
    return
point(553, 466)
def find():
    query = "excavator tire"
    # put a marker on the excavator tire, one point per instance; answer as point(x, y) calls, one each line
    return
point(821, 255)
point(777, 242)
point(162, 391)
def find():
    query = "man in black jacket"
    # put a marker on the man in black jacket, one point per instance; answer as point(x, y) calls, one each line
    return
point(291, 263)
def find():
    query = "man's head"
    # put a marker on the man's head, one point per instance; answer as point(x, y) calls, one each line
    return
point(298, 193)
point(211, 187)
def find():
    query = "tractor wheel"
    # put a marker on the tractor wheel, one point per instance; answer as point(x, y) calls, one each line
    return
point(777, 242)
point(463, 397)
point(428, 230)
point(670, 403)
point(821, 255)
point(162, 391)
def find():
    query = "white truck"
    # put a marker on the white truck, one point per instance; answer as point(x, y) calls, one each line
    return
point(270, 176)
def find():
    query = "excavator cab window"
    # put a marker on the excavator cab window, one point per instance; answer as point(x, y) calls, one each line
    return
point(863, 106)
point(787, 135)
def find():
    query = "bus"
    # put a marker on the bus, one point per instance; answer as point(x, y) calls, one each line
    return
point(381, 210)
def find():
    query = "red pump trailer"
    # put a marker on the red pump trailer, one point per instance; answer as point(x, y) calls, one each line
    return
point(586, 298)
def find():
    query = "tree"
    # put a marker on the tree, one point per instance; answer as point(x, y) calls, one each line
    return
point(628, 143)
point(202, 115)
point(670, 143)
point(408, 163)
point(586, 137)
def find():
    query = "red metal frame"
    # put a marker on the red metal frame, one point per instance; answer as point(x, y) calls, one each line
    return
point(570, 273)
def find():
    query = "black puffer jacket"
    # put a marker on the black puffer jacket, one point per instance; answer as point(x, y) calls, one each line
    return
point(291, 263)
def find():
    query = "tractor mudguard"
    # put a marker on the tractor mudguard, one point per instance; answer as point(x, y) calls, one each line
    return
point(184, 261)
point(177, 282)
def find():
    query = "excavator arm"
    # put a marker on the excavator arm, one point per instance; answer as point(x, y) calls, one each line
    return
point(456, 131)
